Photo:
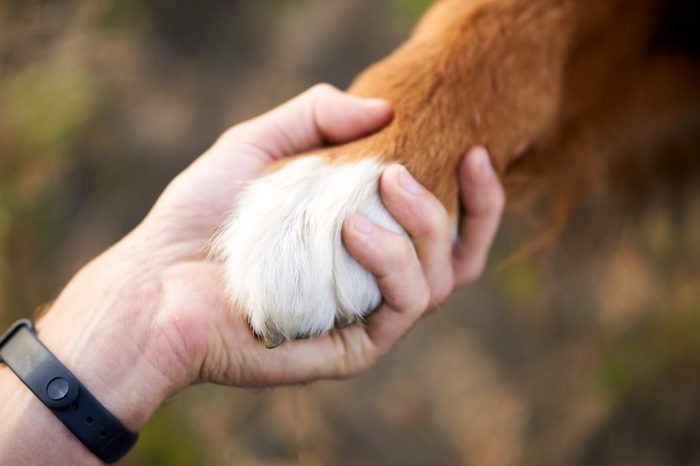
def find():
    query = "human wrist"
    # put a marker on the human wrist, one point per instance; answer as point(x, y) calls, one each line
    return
point(24, 420)
point(107, 327)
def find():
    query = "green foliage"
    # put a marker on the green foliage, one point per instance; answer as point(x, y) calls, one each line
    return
point(285, 5)
point(650, 355)
point(121, 14)
point(47, 107)
point(166, 439)
point(4, 214)
point(409, 9)
point(520, 280)
point(47, 218)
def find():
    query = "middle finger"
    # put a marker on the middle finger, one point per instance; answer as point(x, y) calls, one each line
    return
point(427, 222)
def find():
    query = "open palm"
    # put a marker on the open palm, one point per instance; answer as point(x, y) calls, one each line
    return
point(216, 342)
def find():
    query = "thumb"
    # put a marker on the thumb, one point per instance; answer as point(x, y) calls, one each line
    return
point(322, 114)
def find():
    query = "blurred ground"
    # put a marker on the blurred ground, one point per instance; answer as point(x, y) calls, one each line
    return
point(588, 355)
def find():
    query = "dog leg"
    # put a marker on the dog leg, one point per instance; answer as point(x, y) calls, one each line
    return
point(474, 72)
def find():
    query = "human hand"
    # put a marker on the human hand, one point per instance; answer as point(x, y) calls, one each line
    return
point(150, 315)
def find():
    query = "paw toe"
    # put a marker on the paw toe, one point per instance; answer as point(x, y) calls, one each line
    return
point(342, 321)
point(271, 339)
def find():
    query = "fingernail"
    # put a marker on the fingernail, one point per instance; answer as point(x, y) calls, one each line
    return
point(482, 162)
point(407, 181)
point(361, 224)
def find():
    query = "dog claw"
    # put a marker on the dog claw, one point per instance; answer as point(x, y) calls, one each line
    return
point(272, 339)
point(345, 321)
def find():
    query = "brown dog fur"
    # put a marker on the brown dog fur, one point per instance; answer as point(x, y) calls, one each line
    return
point(579, 83)
point(581, 86)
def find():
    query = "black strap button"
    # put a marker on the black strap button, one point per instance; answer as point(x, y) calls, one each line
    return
point(57, 388)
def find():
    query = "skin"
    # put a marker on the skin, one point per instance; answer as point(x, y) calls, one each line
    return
point(149, 317)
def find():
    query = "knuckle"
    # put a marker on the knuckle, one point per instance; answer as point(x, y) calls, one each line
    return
point(443, 223)
point(434, 222)
point(472, 273)
point(237, 132)
point(322, 89)
point(441, 291)
point(423, 297)
point(231, 132)
point(499, 199)
point(400, 250)
point(358, 358)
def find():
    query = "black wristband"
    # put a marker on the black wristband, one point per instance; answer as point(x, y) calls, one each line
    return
point(63, 394)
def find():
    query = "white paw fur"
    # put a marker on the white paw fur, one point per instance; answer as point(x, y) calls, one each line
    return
point(285, 264)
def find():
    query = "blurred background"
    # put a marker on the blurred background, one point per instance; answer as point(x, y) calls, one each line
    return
point(586, 354)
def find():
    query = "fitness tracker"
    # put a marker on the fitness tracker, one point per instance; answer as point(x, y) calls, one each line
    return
point(63, 394)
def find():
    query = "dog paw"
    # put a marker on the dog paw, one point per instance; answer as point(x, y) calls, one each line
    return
point(285, 264)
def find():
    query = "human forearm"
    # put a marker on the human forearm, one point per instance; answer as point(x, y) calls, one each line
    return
point(30, 434)
point(106, 328)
